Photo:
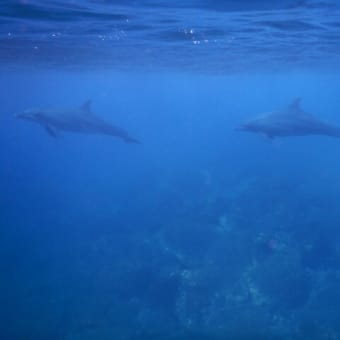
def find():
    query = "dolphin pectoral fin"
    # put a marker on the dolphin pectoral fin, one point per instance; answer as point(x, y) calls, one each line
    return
point(51, 131)
point(131, 140)
point(269, 136)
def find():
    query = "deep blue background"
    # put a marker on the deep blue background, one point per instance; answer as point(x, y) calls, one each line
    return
point(102, 240)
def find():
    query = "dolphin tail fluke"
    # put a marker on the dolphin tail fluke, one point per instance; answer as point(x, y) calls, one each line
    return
point(337, 133)
point(131, 140)
point(331, 131)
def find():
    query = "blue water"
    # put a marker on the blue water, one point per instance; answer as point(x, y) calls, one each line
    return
point(201, 231)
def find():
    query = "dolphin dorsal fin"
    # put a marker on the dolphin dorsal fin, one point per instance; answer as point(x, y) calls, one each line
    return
point(294, 106)
point(86, 107)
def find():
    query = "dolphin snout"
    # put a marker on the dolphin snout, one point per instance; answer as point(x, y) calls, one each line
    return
point(24, 115)
point(241, 127)
point(18, 115)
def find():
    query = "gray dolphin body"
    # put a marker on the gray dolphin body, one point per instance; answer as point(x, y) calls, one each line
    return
point(81, 120)
point(291, 121)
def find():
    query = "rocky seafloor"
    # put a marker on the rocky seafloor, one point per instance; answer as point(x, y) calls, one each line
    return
point(190, 261)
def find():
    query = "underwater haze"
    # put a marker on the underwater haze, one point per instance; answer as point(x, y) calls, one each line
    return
point(141, 196)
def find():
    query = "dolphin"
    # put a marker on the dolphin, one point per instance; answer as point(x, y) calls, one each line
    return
point(80, 120)
point(291, 121)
